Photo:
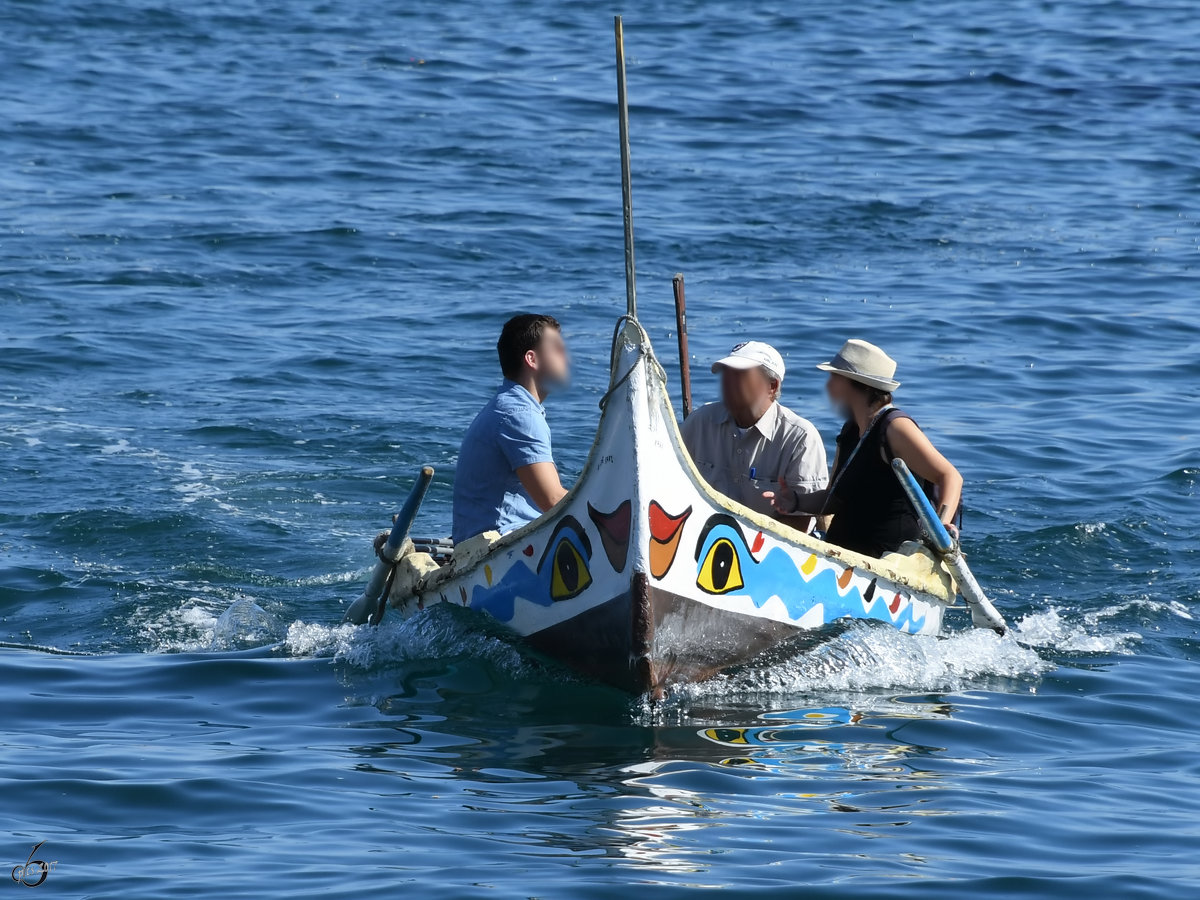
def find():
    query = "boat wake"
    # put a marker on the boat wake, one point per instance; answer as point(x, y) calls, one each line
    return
point(866, 658)
point(441, 633)
point(861, 658)
point(1053, 630)
point(207, 625)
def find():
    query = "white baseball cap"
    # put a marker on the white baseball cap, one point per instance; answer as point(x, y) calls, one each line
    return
point(751, 355)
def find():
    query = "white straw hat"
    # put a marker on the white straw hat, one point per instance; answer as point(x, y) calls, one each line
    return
point(864, 363)
point(751, 355)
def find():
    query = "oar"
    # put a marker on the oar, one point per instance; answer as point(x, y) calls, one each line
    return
point(685, 368)
point(373, 601)
point(983, 613)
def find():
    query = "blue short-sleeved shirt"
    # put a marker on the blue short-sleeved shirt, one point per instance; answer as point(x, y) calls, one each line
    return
point(510, 432)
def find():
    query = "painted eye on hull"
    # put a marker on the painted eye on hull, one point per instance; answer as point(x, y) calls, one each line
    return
point(721, 572)
point(570, 575)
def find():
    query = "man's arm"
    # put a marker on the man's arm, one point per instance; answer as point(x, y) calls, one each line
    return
point(789, 502)
point(525, 441)
point(807, 474)
point(801, 485)
point(541, 483)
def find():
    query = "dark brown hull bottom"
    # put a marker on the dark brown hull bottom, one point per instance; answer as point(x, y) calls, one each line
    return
point(647, 639)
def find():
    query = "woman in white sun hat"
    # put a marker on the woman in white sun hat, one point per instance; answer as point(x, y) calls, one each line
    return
point(871, 514)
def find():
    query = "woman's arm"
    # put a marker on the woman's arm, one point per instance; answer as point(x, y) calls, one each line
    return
point(909, 443)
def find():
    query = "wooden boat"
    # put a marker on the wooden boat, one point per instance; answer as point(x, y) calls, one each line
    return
point(643, 576)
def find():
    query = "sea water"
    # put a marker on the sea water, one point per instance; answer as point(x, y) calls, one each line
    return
point(253, 261)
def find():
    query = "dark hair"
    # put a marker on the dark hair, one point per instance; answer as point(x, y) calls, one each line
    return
point(874, 394)
point(521, 334)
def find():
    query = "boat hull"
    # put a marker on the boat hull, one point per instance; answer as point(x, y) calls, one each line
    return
point(647, 639)
point(693, 641)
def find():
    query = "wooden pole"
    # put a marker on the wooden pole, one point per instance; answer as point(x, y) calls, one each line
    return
point(685, 367)
point(626, 190)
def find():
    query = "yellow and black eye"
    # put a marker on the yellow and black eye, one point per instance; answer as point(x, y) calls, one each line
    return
point(721, 572)
point(569, 576)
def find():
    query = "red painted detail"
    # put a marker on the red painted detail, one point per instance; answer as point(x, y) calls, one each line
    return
point(663, 525)
point(758, 543)
point(894, 605)
point(528, 551)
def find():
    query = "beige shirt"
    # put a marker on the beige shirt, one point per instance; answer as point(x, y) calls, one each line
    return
point(742, 466)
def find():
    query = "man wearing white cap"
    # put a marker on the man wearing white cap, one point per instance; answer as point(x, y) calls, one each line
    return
point(748, 442)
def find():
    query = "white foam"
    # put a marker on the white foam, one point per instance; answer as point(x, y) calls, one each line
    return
point(865, 658)
point(244, 624)
point(433, 634)
point(1144, 604)
point(346, 642)
point(1089, 631)
point(354, 575)
point(206, 623)
point(1053, 631)
point(187, 628)
point(193, 491)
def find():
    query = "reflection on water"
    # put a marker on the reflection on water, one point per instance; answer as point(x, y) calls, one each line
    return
point(791, 762)
point(574, 770)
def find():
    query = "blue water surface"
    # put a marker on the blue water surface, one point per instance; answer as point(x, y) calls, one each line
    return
point(253, 261)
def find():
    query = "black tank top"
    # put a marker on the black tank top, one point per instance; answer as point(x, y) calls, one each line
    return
point(872, 515)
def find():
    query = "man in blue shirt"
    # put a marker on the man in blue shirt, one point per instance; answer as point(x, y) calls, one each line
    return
point(506, 475)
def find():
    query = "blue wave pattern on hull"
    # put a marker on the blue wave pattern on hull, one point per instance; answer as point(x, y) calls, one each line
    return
point(518, 583)
point(777, 575)
point(562, 573)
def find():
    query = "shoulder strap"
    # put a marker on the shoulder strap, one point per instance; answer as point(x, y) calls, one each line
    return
point(844, 466)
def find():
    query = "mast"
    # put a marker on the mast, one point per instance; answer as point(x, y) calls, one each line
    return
point(626, 189)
